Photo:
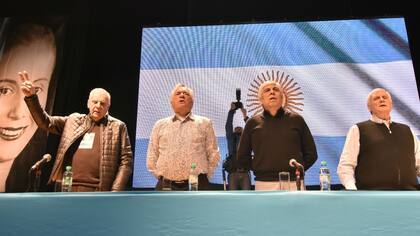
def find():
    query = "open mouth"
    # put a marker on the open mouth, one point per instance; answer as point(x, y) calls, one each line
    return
point(10, 134)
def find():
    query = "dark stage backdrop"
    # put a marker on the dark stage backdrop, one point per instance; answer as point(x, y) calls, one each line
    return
point(101, 47)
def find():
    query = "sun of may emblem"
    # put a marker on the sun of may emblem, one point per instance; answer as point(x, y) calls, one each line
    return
point(292, 97)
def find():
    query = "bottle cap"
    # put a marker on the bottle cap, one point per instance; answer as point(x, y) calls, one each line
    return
point(323, 163)
point(193, 165)
point(68, 168)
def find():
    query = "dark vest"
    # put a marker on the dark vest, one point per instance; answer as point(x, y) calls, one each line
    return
point(386, 159)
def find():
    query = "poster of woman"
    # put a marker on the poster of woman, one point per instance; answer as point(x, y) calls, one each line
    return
point(25, 44)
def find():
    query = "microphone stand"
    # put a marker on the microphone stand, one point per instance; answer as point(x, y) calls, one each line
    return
point(224, 179)
point(37, 179)
point(297, 172)
point(30, 183)
point(33, 184)
point(300, 172)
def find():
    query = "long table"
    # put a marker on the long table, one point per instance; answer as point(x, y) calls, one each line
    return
point(256, 213)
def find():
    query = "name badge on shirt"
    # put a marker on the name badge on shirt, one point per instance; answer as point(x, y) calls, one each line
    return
point(87, 141)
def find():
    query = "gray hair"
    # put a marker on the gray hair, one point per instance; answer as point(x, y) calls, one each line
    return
point(101, 90)
point(369, 97)
point(177, 86)
point(269, 82)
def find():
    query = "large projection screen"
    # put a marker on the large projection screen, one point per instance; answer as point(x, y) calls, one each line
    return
point(329, 66)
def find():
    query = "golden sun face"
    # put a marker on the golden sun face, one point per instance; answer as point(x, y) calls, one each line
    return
point(292, 97)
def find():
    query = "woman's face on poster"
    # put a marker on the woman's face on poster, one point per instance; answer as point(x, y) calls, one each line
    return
point(16, 124)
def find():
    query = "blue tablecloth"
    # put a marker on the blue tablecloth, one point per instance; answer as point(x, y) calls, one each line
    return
point(211, 213)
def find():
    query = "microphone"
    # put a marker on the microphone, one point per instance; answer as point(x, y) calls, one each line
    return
point(299, 174)
point(294, 163)
point(45, 158)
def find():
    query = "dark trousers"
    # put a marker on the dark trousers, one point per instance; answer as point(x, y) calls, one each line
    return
point(239, 180)
point(81, 188)
point(170, 185)
point(77, 187)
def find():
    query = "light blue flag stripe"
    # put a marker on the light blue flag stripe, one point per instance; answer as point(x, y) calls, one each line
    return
point(302, 43)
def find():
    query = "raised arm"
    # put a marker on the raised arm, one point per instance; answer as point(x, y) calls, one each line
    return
point(229, 128)
point(53, 124)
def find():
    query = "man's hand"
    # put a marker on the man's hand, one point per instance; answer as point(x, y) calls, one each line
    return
point(244, 112)
point(28, 88)
point(232, 106)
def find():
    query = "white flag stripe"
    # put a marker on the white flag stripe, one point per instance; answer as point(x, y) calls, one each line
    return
point(334, 95)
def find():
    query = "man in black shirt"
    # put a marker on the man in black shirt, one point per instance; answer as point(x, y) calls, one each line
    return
point(275, 137)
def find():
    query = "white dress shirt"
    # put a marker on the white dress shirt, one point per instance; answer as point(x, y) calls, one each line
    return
point(348, 159)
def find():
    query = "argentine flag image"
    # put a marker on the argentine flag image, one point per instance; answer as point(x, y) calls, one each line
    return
point(326, 69)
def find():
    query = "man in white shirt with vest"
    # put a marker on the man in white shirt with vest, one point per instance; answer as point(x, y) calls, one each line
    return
point(380, 154)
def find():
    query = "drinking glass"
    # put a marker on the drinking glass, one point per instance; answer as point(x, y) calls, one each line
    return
point(284, 180)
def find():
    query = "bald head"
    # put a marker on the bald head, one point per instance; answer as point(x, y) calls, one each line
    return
point(102, 92)
point(98, 103)
point(379, 103)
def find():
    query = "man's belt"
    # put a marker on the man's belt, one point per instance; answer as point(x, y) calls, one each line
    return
point(175, 182)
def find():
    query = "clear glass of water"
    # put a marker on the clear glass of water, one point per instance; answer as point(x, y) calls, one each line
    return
point(284, 180)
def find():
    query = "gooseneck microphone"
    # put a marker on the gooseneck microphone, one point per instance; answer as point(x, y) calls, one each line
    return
point(45, 158)
point(294, 163)
point(224, 179)
point(300, 173)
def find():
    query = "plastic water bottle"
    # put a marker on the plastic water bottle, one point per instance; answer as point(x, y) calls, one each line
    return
point(193, 178)
point(67, 180)
point(324, 177)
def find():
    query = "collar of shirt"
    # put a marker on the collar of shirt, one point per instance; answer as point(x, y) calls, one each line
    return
point(103, 120)
point(279, 114)
point(190, 116)
point(380, 121)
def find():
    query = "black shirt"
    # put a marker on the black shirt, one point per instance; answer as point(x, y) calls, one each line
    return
point(386, 159)
point(275, 140)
